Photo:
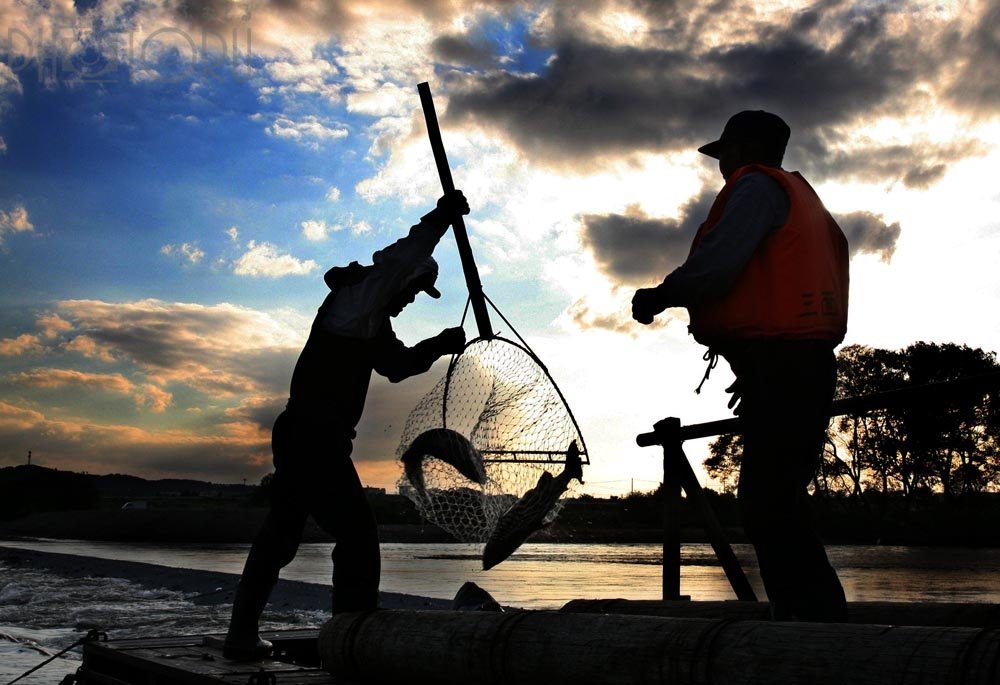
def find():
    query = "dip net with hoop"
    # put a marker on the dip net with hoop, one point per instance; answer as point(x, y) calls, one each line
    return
point(500, 396)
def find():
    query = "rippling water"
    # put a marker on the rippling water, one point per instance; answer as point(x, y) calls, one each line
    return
point(41, 613)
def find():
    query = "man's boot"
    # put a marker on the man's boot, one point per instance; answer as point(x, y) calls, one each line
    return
point(242, 641)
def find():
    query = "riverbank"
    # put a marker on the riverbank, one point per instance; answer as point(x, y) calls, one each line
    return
point(200, 587)
point(240, 525)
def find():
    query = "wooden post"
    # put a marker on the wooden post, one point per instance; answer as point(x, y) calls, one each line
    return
point(678, 474)
point(723, 551)
point(667, 432)
point(472, 281)
point(556, 648)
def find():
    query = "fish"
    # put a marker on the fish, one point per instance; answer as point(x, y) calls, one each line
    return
point(528, 514)
point(448, 446)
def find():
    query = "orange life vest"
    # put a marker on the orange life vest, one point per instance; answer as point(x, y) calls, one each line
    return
point(795, 285)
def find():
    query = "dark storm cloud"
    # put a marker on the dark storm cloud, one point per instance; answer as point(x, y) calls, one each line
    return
point(868, 233)
point(637, 249)
point(977, 85)
point(458, 49)
point(828, 68)
point(916, 166)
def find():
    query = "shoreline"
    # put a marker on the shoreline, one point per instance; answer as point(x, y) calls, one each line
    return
point(205, 587)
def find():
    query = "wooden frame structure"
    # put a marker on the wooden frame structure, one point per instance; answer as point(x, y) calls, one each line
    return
point(678, 474)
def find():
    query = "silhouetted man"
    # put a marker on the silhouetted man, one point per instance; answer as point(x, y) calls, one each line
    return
point(312, 438)
point(766, 284)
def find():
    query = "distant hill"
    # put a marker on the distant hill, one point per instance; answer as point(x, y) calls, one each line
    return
point(27, 489)
point(123, 485)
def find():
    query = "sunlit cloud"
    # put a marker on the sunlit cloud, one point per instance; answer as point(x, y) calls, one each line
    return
point(145, 395)
point(90, 348)
point(21, 345)
point(53, 325)
point(14, 221)
point(262, 260)
point(318, 229)
point(188, 251)
point(310, 130)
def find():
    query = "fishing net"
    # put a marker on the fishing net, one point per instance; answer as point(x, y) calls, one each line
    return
point(497, 394)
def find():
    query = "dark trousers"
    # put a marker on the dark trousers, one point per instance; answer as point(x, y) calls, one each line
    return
point(313, 478)
point(787, 389)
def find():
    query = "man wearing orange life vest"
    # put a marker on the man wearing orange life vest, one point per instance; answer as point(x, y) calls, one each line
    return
point(766, 287)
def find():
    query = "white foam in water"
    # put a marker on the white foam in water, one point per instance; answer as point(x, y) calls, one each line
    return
point(41, 614)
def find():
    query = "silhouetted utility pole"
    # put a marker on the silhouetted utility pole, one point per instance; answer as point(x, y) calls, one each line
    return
point(29, 457)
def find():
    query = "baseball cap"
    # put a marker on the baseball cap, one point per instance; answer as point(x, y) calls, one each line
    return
point(752, 125)
point(424, 275)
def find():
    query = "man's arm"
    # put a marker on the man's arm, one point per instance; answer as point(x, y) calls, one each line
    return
point(358, 309)
point(398, 362)
point(756, 207)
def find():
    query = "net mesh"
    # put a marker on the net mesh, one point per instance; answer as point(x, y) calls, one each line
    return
point(499, 396)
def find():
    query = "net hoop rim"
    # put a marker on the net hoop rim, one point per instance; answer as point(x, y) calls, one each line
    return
point(584, 453)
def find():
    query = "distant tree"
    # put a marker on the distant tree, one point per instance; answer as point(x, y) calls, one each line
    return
point(877, 452)
point(952, 446)
point(723, 462)
point(957, 440)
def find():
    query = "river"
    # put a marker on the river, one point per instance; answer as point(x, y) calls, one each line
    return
point(40, 612)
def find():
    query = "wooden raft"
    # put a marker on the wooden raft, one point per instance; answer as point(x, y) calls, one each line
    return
point(882, 613)
point(553, 647)
point(198, 660)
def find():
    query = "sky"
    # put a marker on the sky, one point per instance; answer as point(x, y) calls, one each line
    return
point(177, 176)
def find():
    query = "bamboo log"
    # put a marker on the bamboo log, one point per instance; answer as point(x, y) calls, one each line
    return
point(884, 613)
point(551, 648)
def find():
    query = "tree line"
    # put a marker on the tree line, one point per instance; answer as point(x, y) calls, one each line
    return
point(948, 448)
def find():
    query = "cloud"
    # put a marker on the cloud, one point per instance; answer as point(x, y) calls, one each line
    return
point(90, 348)
point(262, 260)
point(672, 85)
point(84, 444)
point(318, 229)
point(10, 87)
point(145, 395)
point(463, 50)
point(222, 350)
point(313, 75)
point(333, 194)
point(868, 233)
point(52, 325)
point(917, 164)
point(189, 251)
point(14, 221)
point(641, 250)
point(310, 130)
point(234, 233)
point(21, 345)
point(978, 51)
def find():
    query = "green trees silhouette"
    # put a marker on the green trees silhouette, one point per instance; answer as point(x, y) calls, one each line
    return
point(947, 447)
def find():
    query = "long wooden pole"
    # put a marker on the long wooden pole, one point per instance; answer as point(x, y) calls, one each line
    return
point(475, 286)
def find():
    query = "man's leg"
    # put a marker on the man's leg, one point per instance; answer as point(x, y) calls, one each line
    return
point(786, 396)
point(273, 549)
point(339, 506)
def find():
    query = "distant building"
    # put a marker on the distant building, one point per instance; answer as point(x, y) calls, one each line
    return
point(135, 505)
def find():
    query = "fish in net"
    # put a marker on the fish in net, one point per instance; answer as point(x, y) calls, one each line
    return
point(499, 396)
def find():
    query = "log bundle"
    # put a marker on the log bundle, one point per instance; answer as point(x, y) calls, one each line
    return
point(885, 613)
point(553, 647)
